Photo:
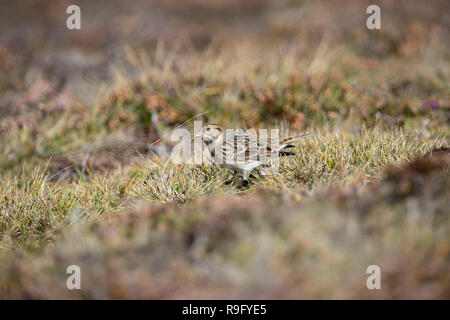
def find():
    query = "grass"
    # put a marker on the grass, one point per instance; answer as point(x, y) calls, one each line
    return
point(33, 204)
point(88, 182)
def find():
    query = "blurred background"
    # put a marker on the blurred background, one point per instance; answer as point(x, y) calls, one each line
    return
point(41, 61)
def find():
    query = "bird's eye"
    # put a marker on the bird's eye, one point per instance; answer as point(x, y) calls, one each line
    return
point(208, 129)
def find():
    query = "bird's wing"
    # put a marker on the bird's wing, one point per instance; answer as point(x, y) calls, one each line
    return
point(275, 143)
point(247, 147)
point(242, 146)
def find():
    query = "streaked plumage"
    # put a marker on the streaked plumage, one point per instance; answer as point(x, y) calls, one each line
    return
point(244, 151)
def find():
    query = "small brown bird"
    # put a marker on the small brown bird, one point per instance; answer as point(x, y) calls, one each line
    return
point(243, 151)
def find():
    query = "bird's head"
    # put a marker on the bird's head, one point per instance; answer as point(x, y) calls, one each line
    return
point(210, 133)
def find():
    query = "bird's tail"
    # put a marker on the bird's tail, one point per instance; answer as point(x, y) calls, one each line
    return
point(288, 142)
point(285, 153)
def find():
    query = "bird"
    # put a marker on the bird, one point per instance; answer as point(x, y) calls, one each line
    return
point(244, 151)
